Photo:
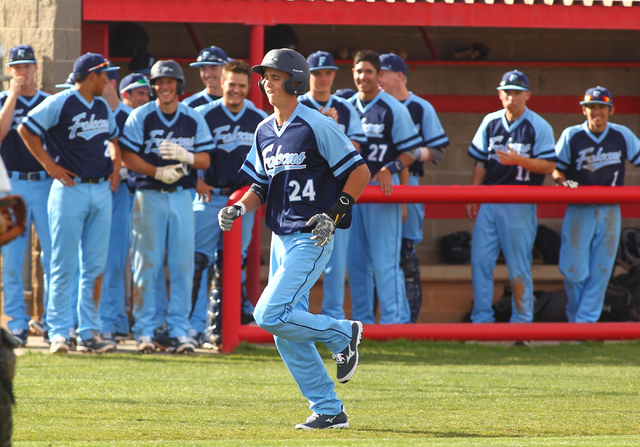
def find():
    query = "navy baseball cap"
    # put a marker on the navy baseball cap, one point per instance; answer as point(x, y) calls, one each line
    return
point(392, 62)
point(142, 63)
point(514, 80)
point(211, 56)
point(597, 95)
point(22, 54)
point(321, 60)
point(92, 63)
point(70, 82)
point(133, 81)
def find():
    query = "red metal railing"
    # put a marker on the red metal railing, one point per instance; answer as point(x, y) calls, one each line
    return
point(233, 333)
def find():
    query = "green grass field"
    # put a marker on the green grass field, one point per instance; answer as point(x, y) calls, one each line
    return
point(404, 394)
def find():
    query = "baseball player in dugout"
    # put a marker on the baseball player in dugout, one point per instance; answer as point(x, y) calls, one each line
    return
point(134, 90)
point(323, 72)
point(232, 121)
point(30, 180)
point(309, 175)
point(513, 146)
point(593, 153)
point(210, 62)
point(393, 80)
point(164, 143)
point(78, 122)
point(374, 248)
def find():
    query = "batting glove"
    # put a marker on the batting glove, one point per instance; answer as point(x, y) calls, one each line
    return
point(228, 214)
point(323, 230)
point(173, 151)
point(169, 174)
point(570, 184)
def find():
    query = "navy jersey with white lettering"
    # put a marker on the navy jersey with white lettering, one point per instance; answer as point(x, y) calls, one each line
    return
point(14, 152)
point(597, 160)
point(389, 130)
point(348, 119)
point(76, 131)
point(232, 139)
point(426, 120)
point(530, 136)
point(147, 127)
point(199, 99)
point(304, 164)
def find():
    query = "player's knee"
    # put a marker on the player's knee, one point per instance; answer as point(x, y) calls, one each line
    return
point(266, 317)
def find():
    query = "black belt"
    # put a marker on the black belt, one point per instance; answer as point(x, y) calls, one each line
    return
point(31, 176)
point(92, 180)
point(226, 192)
point(170, 189)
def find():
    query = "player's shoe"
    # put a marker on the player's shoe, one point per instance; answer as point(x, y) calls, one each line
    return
point(20, 336)
point(59, 345)
point(196, 338)
point(320, 421)
point(73, 340)
point(95, 345)
point(347, 360)
point(36, 326)
point(145, 345)
point(161, 339)
point(180, 345)
point(108, 337)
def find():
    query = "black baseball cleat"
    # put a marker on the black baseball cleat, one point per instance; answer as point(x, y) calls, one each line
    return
point(320, 421)
point(347, 360)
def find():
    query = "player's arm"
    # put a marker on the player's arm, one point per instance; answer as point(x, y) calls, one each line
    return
point(116, 157)
point(6, 114)
point(166, 174)
point(535, 165)
point(385, 175)
point(356, 145)
point(479, 173)
point(34, 144)
point(250, 201)
point(404, 180)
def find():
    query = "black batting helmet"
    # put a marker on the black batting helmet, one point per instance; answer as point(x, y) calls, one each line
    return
point(168, 69)
point(291, 62)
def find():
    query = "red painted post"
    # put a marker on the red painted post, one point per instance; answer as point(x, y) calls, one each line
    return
point(256, 53)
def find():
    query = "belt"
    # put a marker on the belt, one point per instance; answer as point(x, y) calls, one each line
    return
point(226, 192)
point(165, 190)
point(92, 180)
point(31, 176)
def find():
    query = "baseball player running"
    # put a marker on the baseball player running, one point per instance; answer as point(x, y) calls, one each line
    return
point(210, 62)
point(164, 143)
point(592, 153)
point(513, 146)
point(77, 121)
point(309, 174)
point(30, 181)
point(374, 249)
point(319, 97)
point(393, 80)
point(232, 121)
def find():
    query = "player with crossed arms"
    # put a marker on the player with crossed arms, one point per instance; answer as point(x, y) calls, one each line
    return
point(309, 174)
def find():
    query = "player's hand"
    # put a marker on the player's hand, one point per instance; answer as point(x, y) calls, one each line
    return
point(405, 214)
point(323, 229)
point(15, 85)
point(203, 191)
point(227, 215)
point(114, 180)
point(61, 174)
point(169, 174)
point(173, 151)
point(472, 211)
point(385, 180)
point(331, 112)
point(508, 157)
point(572, 184)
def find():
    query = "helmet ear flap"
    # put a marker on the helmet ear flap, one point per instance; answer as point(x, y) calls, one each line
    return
point(261, 85)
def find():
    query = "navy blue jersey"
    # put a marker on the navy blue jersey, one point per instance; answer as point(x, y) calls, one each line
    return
point(348, 119)
point(121, 114)
point(199, 99)
point(14, 152)
point(232, 139)
point(304, 164)
point(389, 130)
point(597, 161)
point(530, 136)
point(426, 120)
point(76, 131)
point(147, 127)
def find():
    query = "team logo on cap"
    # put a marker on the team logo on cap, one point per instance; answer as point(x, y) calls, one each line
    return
point(513, 77)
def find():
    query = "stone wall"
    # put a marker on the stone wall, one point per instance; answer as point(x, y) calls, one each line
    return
point(51, 27)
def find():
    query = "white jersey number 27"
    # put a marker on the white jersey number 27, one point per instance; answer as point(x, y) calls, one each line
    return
point(308, 191)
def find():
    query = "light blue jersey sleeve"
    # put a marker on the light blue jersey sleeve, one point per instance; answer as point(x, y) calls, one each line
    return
point(563, 147)
point(633, 144)
point(404, 133)
point(46, 114)
point(253, 165)
point(432, 130)
point(132, 135)
point(544, 146)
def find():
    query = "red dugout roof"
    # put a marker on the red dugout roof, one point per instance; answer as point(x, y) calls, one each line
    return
point(586, 14)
